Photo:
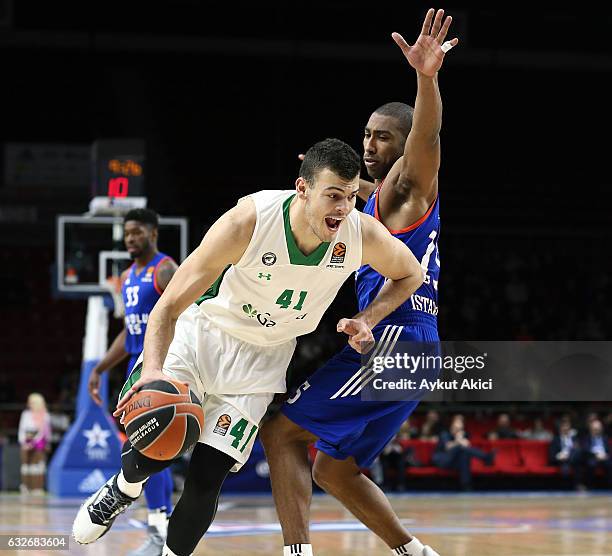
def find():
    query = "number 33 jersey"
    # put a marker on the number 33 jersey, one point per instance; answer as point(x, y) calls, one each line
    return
point(140, 293)
point(422, 239)
point(275, 292)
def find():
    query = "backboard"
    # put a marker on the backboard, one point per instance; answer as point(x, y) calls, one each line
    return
point(90, 248)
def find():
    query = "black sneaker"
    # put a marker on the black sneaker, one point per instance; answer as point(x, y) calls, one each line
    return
point(97, 514)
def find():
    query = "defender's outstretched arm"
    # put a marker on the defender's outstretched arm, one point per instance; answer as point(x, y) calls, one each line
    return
point(416, 173)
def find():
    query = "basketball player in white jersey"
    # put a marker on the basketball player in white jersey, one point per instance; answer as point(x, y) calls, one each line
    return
point(269, 268)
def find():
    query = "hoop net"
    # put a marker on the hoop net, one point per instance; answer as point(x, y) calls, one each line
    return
point(113, 285)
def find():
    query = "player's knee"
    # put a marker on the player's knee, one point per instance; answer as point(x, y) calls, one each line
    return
point(330, 473)
point(324, 474)
point(320, 476)
point(207, 470)
point(200, 483)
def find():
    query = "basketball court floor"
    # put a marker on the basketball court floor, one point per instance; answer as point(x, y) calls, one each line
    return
point(516, 524)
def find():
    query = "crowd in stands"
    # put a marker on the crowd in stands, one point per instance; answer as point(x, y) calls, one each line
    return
point(579, 452)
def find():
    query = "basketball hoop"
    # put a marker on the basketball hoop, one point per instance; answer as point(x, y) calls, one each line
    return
point(113, 285)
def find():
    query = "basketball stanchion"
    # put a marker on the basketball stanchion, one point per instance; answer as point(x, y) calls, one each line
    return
point(90, 452)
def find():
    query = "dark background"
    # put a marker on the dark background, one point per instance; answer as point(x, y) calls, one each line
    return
point(226, 95)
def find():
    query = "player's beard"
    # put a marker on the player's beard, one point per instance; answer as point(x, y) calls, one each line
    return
point(140, 252)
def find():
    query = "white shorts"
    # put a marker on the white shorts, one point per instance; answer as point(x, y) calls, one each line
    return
point(217, 367)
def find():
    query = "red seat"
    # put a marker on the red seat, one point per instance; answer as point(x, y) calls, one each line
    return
point(423, 450)
point(430, 471)
point(507, 460)
point(535, 457)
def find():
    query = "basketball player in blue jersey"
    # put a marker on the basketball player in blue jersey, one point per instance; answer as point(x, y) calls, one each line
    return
point(402, 154)
point(141, 286)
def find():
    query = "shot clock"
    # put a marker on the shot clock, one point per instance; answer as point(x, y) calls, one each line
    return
point(118, 168)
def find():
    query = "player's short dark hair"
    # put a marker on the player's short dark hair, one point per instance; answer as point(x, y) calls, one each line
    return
point(146, 216)
point(333, 154)
point(401, 112)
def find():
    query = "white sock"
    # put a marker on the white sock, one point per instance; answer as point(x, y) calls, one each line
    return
point(413, 548)
point(158, 519)
point(297, 549)
point(133, 490)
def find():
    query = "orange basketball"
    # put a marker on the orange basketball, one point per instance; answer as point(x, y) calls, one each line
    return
point(339, 249)
point(164, 419)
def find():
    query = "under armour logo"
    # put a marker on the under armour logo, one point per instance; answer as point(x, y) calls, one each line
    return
point(266, 276)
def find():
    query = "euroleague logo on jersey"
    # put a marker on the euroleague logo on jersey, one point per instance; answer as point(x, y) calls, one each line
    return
point(223, 424)
point(268, 259)
point(148, 277)
point(338, 253)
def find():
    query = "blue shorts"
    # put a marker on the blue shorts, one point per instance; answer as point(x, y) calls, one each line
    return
point(330, 403)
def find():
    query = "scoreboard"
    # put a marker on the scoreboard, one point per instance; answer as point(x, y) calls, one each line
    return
point(118, 168)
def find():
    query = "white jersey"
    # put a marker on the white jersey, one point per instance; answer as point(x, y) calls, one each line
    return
point(275, 292)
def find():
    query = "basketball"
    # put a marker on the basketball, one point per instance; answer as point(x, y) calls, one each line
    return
point(164, 419)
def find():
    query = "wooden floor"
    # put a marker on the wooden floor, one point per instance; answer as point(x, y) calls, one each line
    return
point(539, 524)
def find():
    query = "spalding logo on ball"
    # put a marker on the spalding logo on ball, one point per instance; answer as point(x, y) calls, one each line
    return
point(164, 419)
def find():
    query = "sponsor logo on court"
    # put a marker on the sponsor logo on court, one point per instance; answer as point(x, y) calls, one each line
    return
point(268, 258)
point(338, 255)
point(223, 424)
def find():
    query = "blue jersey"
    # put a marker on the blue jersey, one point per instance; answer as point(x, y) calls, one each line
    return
point(422, 238)
point(332, 403)
point(140, 294)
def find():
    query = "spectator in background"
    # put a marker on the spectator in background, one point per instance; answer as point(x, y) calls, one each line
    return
point(584, 429)
point(34, 436)
point(408, 431)
point(537, 432)
point(565, 452)
point(596, 452)
point(454, 451)
point(432, 427)
point(395, 458)
point(504, 430)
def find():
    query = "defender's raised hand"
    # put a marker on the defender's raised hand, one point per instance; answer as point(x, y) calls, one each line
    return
point(427, 53)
